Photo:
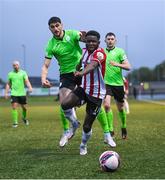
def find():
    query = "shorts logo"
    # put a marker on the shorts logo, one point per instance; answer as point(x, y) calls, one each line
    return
point(96, 111)
point(82, 102)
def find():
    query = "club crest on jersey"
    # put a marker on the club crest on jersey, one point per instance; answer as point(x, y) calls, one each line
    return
point(124, 57)
point(67, 38)
point(100, 55)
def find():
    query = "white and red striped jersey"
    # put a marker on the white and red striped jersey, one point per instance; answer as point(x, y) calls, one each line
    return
point(126, 84)
point(93, 82)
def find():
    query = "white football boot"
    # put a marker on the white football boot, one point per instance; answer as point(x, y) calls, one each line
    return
point(109, 140)
point(83, 149)
point(63, 140)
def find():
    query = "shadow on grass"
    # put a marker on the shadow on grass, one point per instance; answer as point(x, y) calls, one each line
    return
point(57, 153)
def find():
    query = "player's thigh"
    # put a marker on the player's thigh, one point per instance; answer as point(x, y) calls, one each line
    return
point(107, 100)
point(63, 93)
point(14, 102)
point(71, 101)
point(75, 98)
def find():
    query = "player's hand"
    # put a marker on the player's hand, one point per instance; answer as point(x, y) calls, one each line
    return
point(113, 63)
point(30, 90)
point(46, 84)
point(6, 96)
point(78, 73)
point(126, 92)
point(82, 36)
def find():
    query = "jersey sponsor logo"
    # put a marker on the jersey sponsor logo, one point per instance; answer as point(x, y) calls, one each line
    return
point(100, 55)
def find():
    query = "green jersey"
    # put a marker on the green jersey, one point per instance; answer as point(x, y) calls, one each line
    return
point(17, 82)
point(67, 51)
point(113, 75)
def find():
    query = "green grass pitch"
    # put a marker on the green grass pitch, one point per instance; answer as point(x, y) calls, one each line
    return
point(33, 152)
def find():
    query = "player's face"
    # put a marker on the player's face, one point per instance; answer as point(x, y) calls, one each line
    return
point(110, 41)
point(56, 29)
point(16, 67)
point(92, 43)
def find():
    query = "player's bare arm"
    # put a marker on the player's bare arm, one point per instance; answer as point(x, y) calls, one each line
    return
point(28, 84)
point(87, 69)
point(125, 65)
point(45, 82)
point(7, 90)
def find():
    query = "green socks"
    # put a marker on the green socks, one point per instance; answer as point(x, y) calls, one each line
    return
point(24, 114)
point(64, 121)
point(106, 119)
point(14, 116)
point(122, 115)
point(110, 119)
point(102, 118)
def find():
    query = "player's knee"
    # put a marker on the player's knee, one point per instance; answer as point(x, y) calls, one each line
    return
point(64, 105)
point(86, 128)
point(121, 109)
point(107, 107)
point(24, 108)
point(120, 106)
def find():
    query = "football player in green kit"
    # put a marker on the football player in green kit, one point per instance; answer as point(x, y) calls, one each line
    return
point(64, 46)
point(16, 82)
point(115, 62)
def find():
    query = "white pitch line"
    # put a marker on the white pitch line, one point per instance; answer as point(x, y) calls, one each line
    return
point(154, 102)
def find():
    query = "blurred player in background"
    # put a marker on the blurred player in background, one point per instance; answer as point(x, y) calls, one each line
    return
point(64, 46)
point(92, 90)
point(116, 61)
point(126, 90)
point(17, 79)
